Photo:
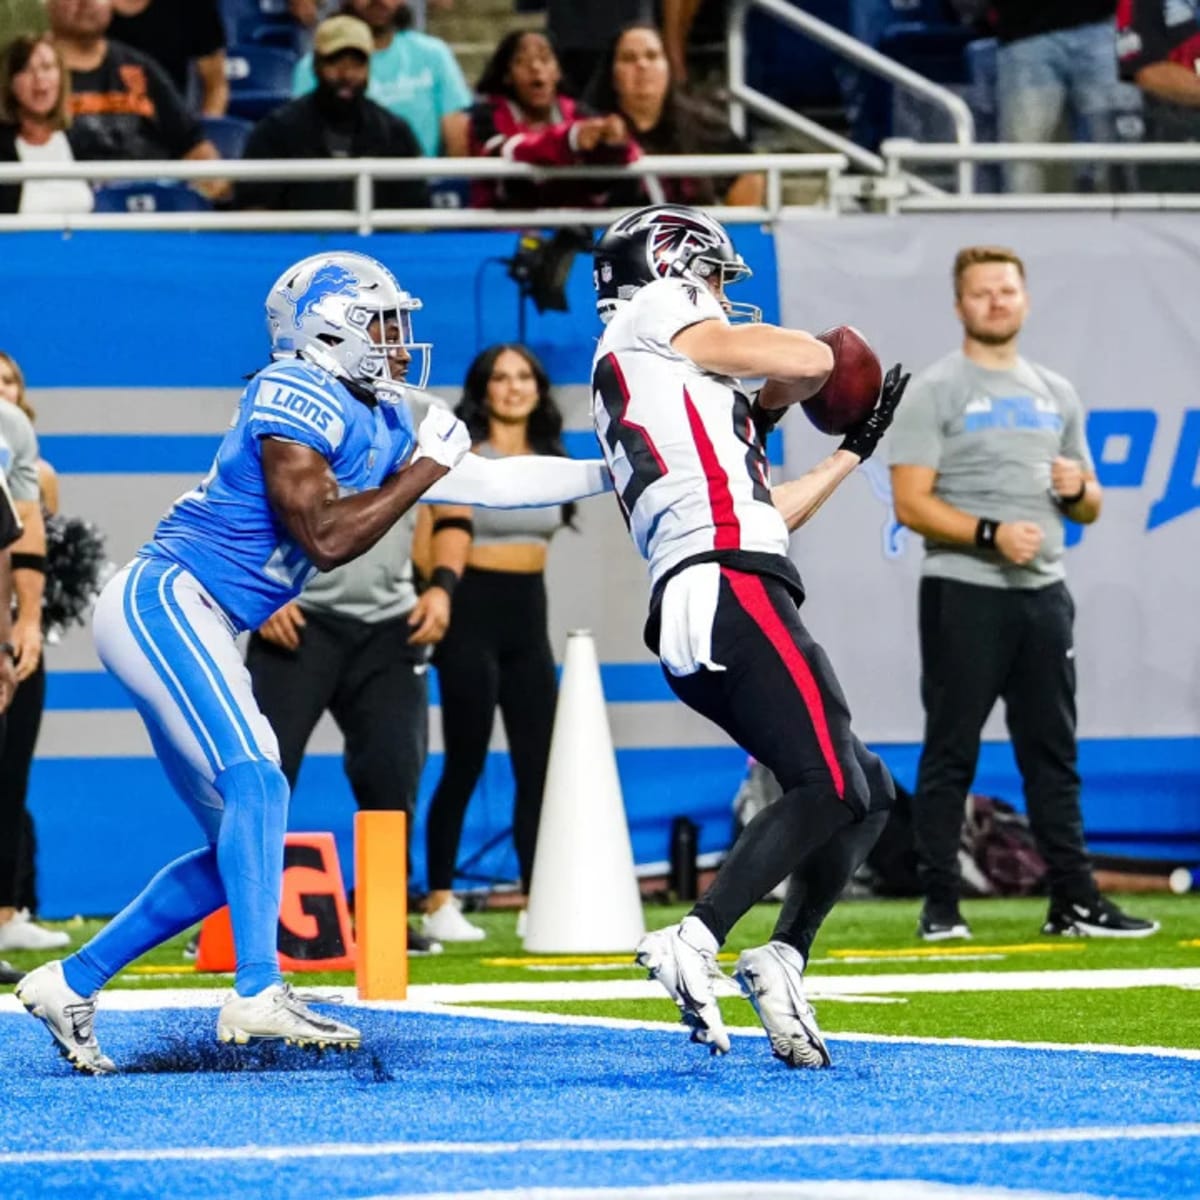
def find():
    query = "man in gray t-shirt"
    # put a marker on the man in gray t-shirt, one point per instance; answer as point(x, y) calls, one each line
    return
point(988, 457)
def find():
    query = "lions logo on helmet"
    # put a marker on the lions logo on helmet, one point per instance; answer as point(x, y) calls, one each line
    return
point(346, 313)
point(667, 241)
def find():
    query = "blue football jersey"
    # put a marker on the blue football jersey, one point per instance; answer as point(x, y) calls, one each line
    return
point(224, 530)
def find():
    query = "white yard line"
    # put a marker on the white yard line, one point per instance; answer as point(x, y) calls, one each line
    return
point(813, 1189)
point(722, 1145)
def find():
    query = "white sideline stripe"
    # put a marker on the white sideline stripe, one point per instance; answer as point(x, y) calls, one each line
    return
point(856, 1141)
point(813, 1189)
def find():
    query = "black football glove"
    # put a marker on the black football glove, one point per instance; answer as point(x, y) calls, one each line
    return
point(861, 439)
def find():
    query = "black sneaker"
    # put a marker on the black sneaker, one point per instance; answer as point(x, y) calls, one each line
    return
point(9, 973)
point(1094, 918)
point(941, 922)
point(419, 944)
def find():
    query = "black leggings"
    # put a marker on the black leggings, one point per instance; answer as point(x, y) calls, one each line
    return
point(24, 720)
point(495, 653)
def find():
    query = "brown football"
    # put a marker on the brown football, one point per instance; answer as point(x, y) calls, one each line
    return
point(850, 392)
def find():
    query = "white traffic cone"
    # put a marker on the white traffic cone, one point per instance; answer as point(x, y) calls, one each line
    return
point(584, 896)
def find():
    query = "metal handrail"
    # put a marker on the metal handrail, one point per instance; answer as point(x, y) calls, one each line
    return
point(743, 96)
point(898, 151)
point(365, 172)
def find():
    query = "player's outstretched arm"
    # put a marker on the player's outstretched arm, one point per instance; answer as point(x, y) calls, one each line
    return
point(789, 355)
point(334, 529)
point(523, 481)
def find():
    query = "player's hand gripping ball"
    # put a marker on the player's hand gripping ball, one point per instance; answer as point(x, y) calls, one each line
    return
point(849, 394)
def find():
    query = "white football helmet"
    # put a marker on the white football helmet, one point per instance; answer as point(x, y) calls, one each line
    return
point(322, 309)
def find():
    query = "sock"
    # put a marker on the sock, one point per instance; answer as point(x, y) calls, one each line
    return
point(181, 894)
point(250, 858)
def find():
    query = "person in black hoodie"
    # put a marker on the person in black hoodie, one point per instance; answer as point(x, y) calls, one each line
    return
point(336, 120)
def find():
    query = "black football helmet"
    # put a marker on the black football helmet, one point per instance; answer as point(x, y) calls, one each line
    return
point(666, 241)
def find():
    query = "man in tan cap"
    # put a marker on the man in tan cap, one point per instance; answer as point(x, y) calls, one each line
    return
point(335, 120)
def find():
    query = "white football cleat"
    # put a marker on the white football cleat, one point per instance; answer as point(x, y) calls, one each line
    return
point(679, 958)
point(772, 979)
point(277, 1012)
point(69, 1016)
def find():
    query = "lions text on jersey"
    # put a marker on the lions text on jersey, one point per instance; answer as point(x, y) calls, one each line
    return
point(225, 532)
point(689, 466)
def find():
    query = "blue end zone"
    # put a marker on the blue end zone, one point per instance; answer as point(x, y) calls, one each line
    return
point(467, 1104)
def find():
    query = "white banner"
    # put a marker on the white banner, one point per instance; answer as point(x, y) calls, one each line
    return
point(1114, 303)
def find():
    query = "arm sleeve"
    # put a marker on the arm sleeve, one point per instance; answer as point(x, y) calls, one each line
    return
point(524, 481)
point(20, 465)
point(668, 306)
point(297, 411)
point(207, 29)
point(915, 438)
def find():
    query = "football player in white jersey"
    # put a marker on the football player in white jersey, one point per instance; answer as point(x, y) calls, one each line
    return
point(685, 444)
point(320, 461)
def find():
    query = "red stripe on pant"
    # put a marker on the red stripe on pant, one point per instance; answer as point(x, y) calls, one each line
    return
point(752, 596)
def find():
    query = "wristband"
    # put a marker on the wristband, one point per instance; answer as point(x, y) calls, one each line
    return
point(985, 533)
point(1063, 502)
point(444, 578)
point(29, 562)
point(9, 649)
point(463, 523)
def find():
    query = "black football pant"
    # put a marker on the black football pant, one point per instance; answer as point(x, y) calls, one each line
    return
point(23, 721)
point(978, 645)
point(780, 700)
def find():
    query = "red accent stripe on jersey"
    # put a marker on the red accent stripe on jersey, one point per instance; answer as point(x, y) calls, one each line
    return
point(728, 530)
point(752, 596)
point(620, 376)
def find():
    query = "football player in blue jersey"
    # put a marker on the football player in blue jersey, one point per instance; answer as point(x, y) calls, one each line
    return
point(319, 462)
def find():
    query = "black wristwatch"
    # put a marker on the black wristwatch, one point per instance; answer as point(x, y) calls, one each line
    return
point(9, 649)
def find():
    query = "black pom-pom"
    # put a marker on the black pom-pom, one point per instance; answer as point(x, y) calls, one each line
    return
point(77, 567)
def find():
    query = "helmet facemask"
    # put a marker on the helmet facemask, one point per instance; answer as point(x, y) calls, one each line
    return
point(717, 274)
point(389, 333)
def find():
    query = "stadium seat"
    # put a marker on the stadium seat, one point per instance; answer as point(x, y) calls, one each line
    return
point(228, 134)
point(149, 196)
point(788, 65)
point(286, 34)
point(260, 79)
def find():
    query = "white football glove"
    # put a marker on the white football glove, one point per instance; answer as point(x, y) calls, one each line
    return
point(442, 437)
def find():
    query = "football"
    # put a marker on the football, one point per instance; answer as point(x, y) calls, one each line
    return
point(850, 392)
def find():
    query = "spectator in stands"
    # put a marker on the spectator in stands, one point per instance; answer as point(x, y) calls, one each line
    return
point(582, 33)
point(496, 653)
point(521, 115)
point(634, 80)
point(34, 115)
point(1055, 62)
point(122, 103)
point(336, 120)
point(178, 36)
point(1159, 47)
point(413, 75)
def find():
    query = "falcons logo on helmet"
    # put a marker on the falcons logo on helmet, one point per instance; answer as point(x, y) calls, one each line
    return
point(676, 238)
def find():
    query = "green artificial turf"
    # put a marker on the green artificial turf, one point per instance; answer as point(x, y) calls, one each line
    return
point(856, 940)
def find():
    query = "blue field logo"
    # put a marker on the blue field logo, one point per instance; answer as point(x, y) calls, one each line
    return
point(329, 280)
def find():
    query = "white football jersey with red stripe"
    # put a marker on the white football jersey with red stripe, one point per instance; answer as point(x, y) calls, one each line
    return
point(689, 467)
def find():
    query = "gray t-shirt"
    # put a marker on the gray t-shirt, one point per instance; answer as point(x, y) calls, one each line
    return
point(991, 436)
point(378, 585)
point(18, 452)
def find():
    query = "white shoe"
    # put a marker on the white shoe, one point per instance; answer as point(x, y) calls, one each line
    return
point(20, 933)
point(277, 1012)
point(522, 923)
point(683, 958)
point(772, 978)
point(69, 1016)
point(447, 924)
